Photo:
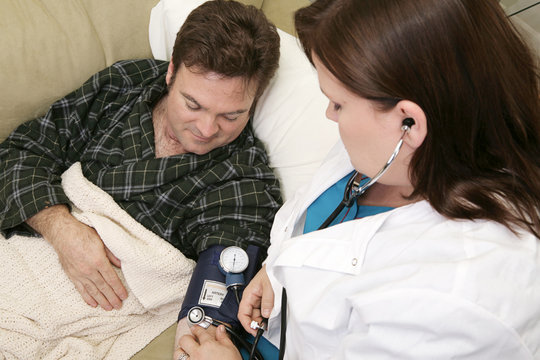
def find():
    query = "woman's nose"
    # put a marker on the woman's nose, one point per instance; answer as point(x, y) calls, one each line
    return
point(331, 113)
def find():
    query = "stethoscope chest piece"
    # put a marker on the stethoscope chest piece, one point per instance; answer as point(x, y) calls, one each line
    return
point(196, 316)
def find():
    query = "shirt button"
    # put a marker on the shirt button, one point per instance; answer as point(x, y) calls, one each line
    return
point(354, 261)
point(286, 228)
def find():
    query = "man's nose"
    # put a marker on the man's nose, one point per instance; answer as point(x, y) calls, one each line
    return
point(207, 126)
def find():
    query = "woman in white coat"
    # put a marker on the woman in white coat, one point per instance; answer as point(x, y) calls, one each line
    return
point(440, 257)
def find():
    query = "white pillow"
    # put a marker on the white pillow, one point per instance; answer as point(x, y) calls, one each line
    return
point(290, 116)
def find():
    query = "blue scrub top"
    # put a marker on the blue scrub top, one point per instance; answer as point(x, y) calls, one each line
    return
point(325, 204)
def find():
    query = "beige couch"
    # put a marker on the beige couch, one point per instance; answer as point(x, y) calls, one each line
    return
point(49, 47)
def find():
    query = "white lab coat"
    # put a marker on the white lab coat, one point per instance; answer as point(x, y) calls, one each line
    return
point(405, 284)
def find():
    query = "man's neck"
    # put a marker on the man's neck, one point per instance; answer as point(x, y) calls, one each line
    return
point(164, 145)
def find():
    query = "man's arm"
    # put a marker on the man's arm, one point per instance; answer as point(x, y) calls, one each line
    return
point(32, 160)
point(243, 216)
point(83, 256)
point(34, 156)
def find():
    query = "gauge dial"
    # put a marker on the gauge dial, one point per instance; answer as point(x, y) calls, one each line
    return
point(233, 259)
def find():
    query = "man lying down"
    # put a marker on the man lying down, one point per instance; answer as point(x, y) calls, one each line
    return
point(170, 142)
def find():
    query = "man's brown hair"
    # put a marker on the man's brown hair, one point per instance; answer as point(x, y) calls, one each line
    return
point(230, 39)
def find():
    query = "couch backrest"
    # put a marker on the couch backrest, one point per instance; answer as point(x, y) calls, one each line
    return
point(50, 47)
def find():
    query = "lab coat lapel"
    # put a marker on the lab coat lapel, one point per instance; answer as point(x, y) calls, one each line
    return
point(335, 167)
point(320, 249)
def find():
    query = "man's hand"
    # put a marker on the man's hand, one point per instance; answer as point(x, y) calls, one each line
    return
point(257, 301)
point(207, 344)
point(181, 329)
point(84, 257)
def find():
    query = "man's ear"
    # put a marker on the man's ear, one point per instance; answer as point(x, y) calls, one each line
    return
point(410, 110)
point(170, 72)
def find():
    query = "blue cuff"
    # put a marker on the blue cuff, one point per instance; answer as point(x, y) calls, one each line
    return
point(207, 286)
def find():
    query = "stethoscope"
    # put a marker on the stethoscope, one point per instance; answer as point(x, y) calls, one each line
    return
point(197, 316)
point(353, 190)
point(233, 260)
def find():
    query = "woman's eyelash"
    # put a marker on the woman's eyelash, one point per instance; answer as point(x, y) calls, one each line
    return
point(337, 107)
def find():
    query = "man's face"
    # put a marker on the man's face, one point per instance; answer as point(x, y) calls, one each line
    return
point(205, 110)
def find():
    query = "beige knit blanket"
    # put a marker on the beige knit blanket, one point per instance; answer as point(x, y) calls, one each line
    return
point(42, 316)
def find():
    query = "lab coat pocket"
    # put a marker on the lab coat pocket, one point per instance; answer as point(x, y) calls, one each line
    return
point(340, 248)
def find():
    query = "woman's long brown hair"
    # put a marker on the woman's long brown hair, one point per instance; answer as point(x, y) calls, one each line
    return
point(466, 66)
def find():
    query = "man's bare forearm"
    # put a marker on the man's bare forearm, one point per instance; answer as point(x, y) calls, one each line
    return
point(48, 222)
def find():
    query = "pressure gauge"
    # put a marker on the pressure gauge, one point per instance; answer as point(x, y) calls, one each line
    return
point(233, 260)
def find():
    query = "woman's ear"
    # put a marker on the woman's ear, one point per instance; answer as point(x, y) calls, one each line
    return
point(414, 114)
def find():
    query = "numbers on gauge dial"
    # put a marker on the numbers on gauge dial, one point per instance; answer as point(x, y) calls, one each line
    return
point(234, 259)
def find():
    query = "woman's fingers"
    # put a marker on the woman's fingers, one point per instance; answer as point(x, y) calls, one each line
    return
point(257, 301)
point(206, 344)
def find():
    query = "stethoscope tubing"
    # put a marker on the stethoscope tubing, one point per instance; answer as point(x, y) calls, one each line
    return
point(351, 193)
point(353, 190)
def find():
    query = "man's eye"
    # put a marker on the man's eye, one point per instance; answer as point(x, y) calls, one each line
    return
point(192, 106)
point(231, 118)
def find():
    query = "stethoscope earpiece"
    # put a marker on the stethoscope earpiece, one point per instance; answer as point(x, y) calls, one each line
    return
point(406, 124)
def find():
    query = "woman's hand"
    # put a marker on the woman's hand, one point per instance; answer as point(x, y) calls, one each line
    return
point(257, 301)
point(203, 344)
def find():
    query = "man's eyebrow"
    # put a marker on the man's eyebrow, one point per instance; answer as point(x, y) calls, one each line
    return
point(190, 98)
point(237, 112)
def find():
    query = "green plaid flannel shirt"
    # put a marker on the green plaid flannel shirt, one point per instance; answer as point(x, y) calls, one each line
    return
point(227, 197)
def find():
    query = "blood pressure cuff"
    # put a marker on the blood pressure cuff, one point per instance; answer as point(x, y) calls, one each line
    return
point(207, 286)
